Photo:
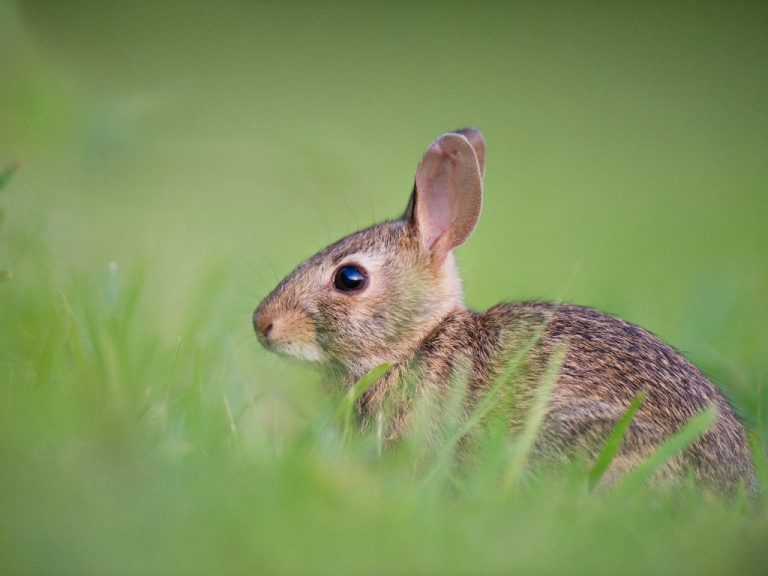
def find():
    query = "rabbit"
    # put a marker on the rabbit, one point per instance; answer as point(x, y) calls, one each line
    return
point(392, 293)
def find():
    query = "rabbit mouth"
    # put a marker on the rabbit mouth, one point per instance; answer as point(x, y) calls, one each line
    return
point(302, 350)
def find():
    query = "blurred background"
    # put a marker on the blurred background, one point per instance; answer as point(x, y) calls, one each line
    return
point(628, 144)
point(214, 145)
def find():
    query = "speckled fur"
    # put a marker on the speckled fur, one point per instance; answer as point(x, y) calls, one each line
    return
point(413, 315)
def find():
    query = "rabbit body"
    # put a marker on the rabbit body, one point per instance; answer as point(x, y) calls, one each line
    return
point(607, 364)
point(392, 293)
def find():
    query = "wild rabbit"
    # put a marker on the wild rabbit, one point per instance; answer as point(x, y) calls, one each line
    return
point(392, 293)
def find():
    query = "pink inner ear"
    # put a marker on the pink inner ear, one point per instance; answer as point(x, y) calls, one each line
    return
point(447, 182)
point(437, 205)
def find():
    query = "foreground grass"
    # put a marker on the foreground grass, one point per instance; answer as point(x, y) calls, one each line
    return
point(127, 451)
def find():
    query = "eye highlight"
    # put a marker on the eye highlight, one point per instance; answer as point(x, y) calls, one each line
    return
point(350, 279)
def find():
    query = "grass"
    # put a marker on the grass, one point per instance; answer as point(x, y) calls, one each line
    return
point(175, 162)
point(127, 453)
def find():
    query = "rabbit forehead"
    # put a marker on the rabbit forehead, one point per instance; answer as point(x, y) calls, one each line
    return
point(370, 248)
point(388, 238)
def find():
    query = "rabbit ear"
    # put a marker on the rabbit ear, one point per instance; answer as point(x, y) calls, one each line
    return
point(448, 193)
point(475, 138)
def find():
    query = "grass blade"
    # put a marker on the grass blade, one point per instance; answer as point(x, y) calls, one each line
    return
point(612, 445)
point(489, 400)
point(504, 380)
point(760, 460)
point(527, 438)
point(687, 435)
point(359, 387)
point(346, 407)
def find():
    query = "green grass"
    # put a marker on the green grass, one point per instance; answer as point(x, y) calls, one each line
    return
point(127, 452)
point(174, 162)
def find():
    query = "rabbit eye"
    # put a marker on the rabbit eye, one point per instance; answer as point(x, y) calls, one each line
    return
point(350, 279)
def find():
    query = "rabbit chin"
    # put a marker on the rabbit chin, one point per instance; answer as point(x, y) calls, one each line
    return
point(302, 350)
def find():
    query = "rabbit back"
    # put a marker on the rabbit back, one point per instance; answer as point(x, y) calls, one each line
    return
point(608, 362)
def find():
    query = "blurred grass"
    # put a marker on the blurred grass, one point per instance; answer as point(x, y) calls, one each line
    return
point(177, 159)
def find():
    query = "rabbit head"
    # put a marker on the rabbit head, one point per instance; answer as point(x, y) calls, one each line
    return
point(373, 296)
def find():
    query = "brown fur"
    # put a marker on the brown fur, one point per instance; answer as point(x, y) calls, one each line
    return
point(412, 314)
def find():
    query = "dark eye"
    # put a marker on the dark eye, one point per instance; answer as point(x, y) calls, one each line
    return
point(350, 279)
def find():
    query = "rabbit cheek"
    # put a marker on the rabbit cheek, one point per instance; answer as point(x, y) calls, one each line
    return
point(346, 329)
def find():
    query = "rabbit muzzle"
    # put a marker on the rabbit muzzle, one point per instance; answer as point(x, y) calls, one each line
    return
point(287, 331)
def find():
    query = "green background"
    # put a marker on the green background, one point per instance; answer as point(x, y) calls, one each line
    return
point(205, 148)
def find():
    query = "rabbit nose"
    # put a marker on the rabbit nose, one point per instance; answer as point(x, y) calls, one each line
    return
point(263, 324)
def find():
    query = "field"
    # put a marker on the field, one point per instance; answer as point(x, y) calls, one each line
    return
point(163, 165)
